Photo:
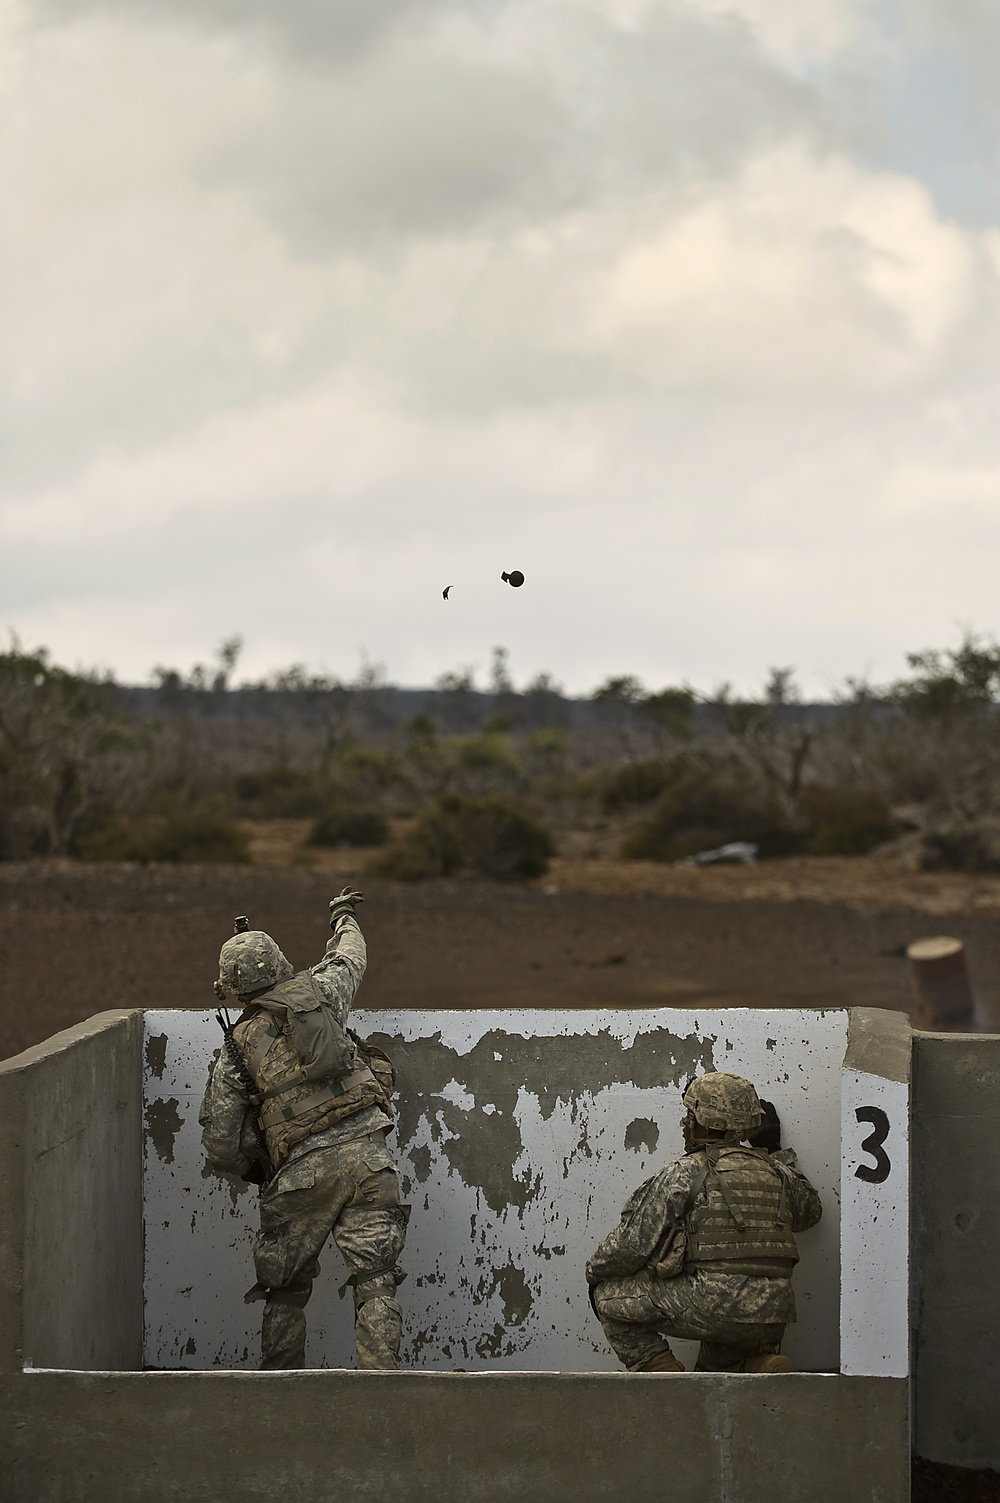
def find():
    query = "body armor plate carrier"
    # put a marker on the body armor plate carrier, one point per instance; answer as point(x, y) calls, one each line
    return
point(743, 1227)
point(294, 1104)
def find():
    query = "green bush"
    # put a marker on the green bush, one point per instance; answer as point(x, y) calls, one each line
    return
point(672, 710)
point(634, 784)
point(844, 821)
point(421, 731)
point(487, 836)
point(490, 752)
point(703, 807)
point(366, 767)
point(278, 792)
point(201, 832)
point(358, 826)
point(549, 744)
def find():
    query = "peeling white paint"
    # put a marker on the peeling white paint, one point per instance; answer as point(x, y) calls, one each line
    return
point(496, 1286)
point(455, 1093)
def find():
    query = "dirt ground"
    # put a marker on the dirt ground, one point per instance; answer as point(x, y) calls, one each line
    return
point(78, 939)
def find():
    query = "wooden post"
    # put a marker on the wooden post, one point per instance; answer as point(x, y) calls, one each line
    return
point(939, 978)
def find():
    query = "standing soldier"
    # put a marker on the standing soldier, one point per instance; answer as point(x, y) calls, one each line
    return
point(301, 1106)
point(705, 1249)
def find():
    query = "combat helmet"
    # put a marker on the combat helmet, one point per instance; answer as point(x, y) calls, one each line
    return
point(250, 963)
point(723, 1103)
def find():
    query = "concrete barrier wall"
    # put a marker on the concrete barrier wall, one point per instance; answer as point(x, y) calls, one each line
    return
point(520, 1136)
point(71, 1234)
point(71, 1257)
point(229, 1437)
point(956, 1244)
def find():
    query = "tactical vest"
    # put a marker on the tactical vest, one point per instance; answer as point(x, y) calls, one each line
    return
point(293, 1106)
point(743, 1227)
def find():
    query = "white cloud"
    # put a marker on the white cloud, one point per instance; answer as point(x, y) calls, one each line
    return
point(591, 289)
point(702, 544)
point(795, 32)
point(805, 271)
point(115, 243)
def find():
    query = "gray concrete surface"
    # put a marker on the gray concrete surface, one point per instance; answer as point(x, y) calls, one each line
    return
point(451, 1438)
point(71, 1248)
point(878, 1043)
point(956, 1247)
point(70, 1295)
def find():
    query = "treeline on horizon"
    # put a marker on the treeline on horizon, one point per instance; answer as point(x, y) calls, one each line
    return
point(496, 781)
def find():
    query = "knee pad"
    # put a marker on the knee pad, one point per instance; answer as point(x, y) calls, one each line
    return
point(297, 1295)
point(380, 1282)
point(366, 1289)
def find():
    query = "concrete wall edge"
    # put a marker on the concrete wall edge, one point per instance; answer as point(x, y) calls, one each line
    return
point(490, 1437)
point(69, 1038)
point(879, 1042)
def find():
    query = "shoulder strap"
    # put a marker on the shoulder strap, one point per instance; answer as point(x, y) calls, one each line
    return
point(263, 1049)
point(299, 993)
point(720, 1181)
point(696, 1185)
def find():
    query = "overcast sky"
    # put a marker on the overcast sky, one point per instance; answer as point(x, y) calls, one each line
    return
point(689, 309)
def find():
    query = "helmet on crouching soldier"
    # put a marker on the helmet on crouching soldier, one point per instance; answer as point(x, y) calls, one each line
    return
point(250, 964)
point(726, 1104)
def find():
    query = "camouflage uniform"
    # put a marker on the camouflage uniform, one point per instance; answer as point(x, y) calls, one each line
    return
point(333, 1170)
point(736, 1209)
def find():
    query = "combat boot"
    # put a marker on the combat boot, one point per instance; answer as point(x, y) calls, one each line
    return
point(768, 1362)
point(663, 1362)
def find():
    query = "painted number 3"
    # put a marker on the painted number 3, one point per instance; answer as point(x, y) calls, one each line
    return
point(879, 1171)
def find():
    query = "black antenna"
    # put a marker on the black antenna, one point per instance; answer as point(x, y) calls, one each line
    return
point(241, 924)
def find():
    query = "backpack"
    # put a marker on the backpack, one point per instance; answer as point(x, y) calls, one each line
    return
point(323, 1046)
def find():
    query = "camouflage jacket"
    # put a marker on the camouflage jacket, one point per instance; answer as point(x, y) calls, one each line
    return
point(659, 1206)
point(226, 1112)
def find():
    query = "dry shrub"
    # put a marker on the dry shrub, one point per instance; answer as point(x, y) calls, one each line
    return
point(490, 837)
point(962, 846)
point(350, 826)
point(706, 806)
point(278, 792)
point(844, 821)
point(197, 833)
point(634, 784)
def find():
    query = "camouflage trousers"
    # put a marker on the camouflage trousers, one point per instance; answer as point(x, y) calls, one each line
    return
point(638, 1312)
point(350, 1190)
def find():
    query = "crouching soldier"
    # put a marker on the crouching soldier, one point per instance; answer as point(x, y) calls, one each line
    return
point(705, 1249)
point(300, 1105)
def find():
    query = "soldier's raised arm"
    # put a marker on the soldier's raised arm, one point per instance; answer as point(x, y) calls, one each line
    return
point(340, 972)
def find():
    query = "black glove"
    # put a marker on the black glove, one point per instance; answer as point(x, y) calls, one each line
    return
point(345, 903)
point(768, 1134)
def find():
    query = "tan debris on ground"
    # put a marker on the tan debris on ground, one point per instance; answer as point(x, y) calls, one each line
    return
point(856, 881)
point(282, 842)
